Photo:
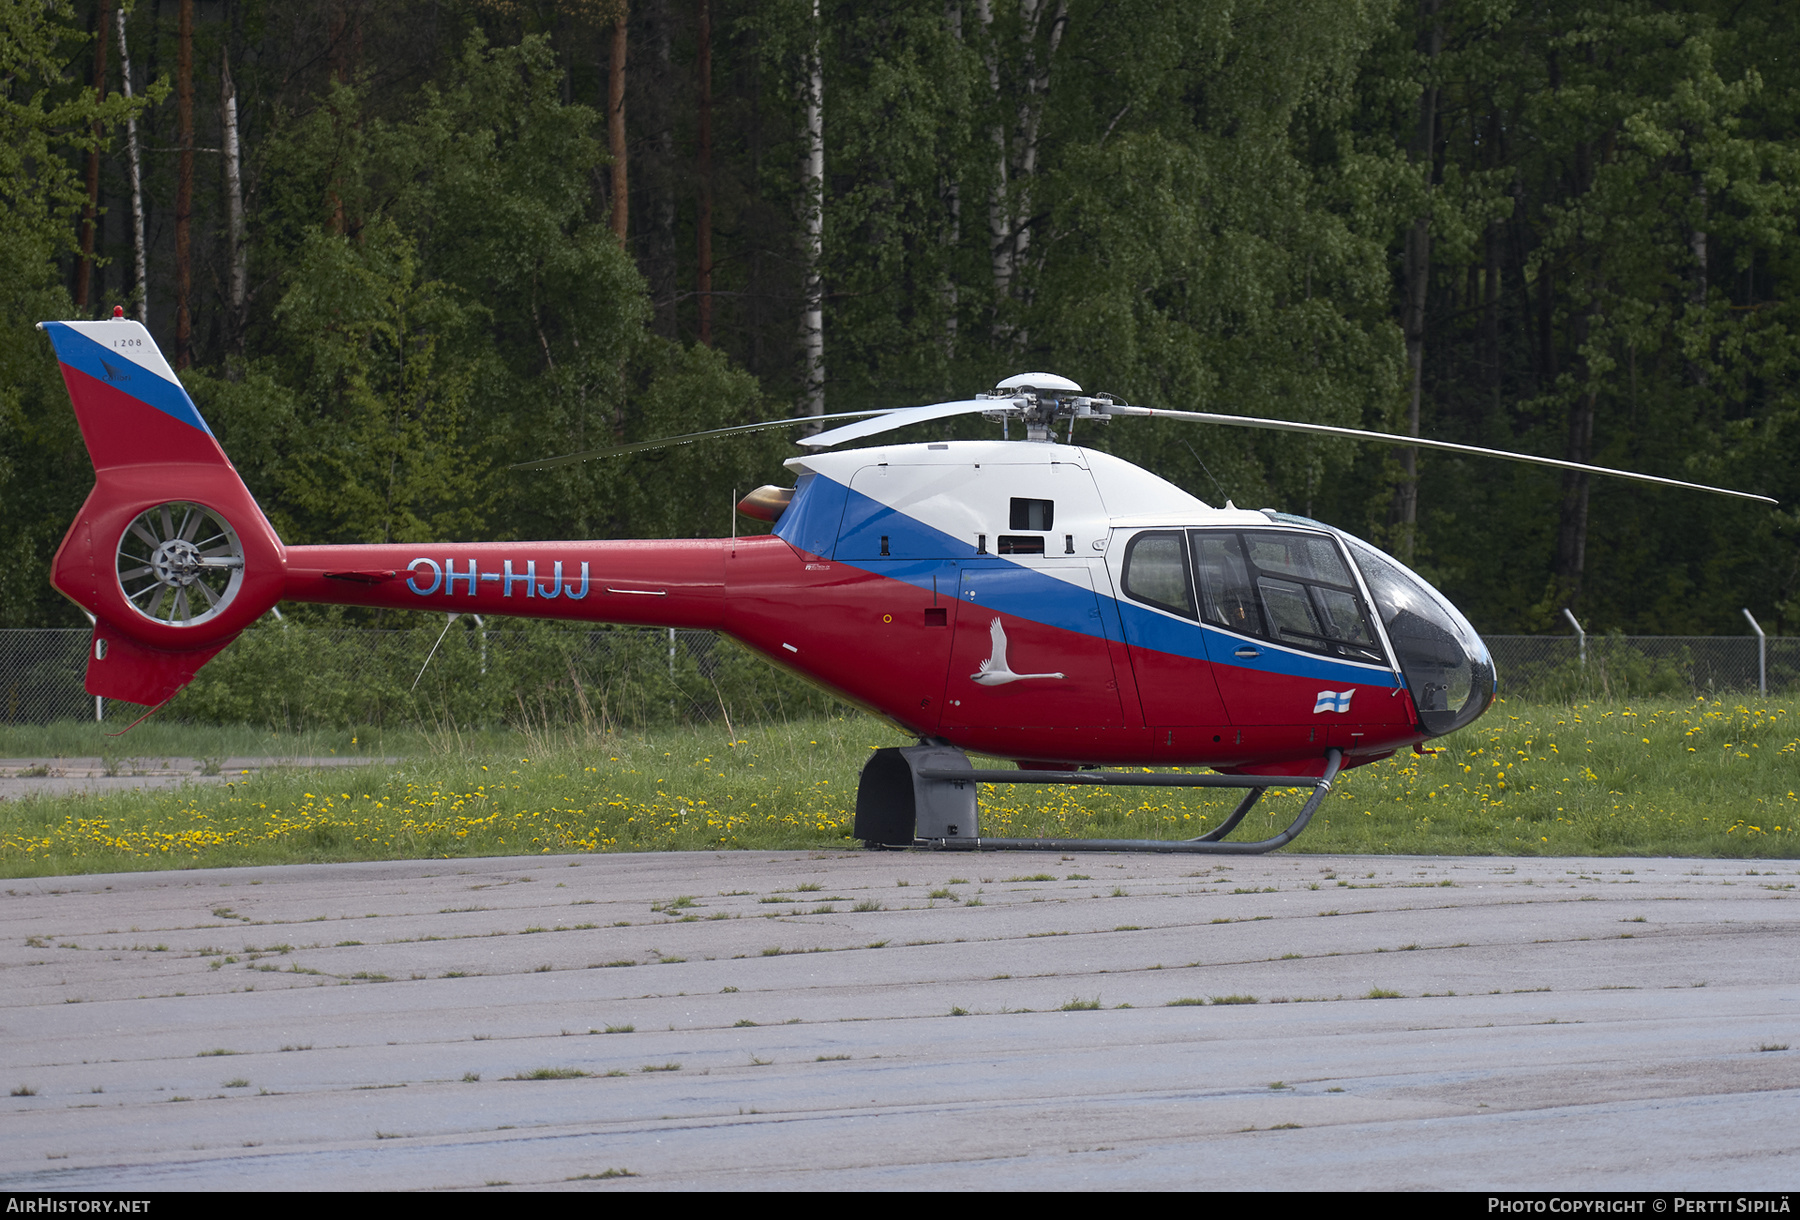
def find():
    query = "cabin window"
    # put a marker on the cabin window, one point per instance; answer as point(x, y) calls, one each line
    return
point(1032, 514)
point(1156, 573)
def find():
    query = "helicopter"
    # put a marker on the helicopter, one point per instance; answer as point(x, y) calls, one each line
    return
point(1025, 599)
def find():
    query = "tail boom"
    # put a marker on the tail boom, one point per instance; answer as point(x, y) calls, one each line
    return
point(679, 583)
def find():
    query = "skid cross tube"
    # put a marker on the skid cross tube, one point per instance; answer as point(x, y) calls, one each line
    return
point(1206, 844)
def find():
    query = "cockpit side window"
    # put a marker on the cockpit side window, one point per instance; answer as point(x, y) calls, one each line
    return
point(1227, 596)
point(1289, 588)
point(1156, 573)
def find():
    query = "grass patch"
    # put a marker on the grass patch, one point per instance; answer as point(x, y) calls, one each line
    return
point(1656, 777)
point(550, 1074)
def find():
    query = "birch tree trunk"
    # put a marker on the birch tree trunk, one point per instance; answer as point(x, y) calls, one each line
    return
point(812, 317)
point(615, 128)
point(1031, 112)
point(999, 211)
point(1697, 286)
point(236, 254)
point(1016, 155)
point(140, 285)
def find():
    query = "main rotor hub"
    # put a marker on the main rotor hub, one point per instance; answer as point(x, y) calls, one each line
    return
point(1040, 400)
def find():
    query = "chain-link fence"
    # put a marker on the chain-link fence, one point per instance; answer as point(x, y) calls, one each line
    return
point(292, 676)
point(1627, 666)
point(40, 676)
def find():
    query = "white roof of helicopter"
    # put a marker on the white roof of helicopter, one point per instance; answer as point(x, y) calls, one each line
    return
point(1127, 495)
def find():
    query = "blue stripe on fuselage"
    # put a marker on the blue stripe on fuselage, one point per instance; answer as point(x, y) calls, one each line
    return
point(813, 516)
point(1202, 642)
point(867, 520)
point(80, 352)
point(1039, 598)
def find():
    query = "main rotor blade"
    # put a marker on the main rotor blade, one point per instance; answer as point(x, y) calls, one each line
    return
point(1388, 438)
point(899, 419)
point(689, 438)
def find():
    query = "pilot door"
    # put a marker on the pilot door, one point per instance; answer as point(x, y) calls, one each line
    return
point(1290, 630)
point(1030, 651)
point(1175, 680)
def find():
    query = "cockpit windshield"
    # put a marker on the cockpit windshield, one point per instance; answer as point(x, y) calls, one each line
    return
point(1447, 667)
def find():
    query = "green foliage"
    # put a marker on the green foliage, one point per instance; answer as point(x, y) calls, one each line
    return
point(1612, 196)
point(383, 392)
point(43, 114)
point(45, 118)
point(451, 303)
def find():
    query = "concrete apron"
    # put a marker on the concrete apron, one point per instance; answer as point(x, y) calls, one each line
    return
point(904, 1020)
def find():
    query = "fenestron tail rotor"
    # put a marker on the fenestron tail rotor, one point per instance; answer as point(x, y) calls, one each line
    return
point(179, 564)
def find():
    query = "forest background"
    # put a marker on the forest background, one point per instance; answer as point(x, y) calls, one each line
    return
point(396, 247)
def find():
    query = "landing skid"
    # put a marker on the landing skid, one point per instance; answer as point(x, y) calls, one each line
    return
point(926, 796)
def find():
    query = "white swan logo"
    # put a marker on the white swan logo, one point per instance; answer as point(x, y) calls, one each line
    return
point(994, 671)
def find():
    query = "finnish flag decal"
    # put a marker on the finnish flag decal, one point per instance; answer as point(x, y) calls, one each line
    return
point(1333, 701)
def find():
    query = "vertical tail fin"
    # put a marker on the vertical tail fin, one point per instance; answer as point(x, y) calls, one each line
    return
point(170, 553)
point(132, 409)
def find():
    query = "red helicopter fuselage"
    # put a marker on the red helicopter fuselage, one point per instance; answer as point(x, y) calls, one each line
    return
point(1030, 600)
